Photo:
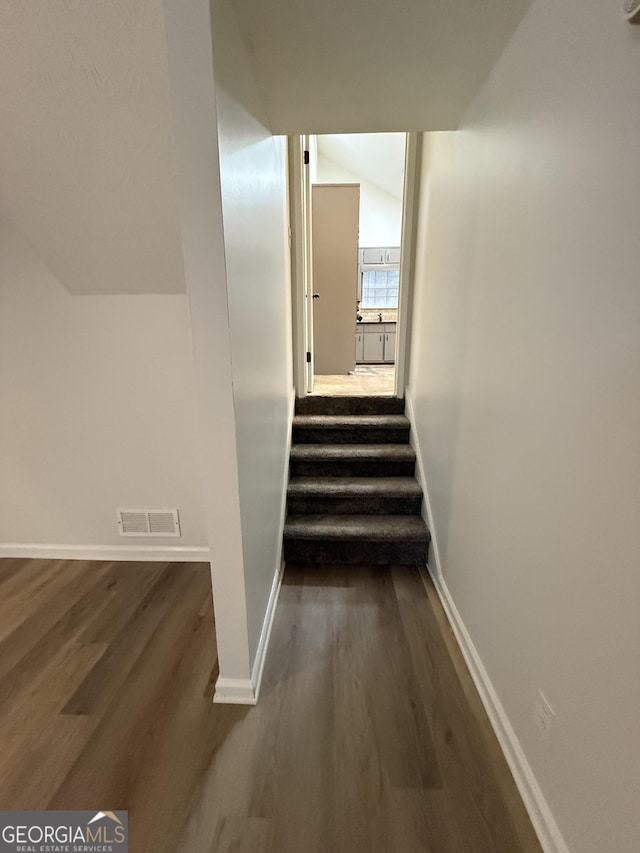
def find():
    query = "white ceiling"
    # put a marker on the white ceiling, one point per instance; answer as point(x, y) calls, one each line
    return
point(339, 66)
point(86, 168)
point(85, 144)
point(376, 157)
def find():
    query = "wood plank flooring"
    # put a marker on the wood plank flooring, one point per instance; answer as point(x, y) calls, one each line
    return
point(105, 689)
point(369, 735)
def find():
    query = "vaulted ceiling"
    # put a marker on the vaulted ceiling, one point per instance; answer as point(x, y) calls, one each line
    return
point(376, 157)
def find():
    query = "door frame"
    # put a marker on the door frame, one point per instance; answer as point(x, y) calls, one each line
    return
point(410, 200)
point(300, 231)
point(302, 303)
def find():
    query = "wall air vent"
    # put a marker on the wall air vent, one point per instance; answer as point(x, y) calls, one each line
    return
point(148, 522)
point(632, 11)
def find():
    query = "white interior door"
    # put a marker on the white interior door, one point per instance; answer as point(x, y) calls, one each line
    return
point(334, 228)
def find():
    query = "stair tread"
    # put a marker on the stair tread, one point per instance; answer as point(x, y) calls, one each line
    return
point(353, 451)
point(349, 405)
point(380, 528)
point(356, 421)
point(355, 486)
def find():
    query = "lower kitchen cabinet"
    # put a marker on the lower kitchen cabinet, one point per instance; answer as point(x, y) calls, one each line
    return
point(376, 343)
point(373, 346)
point(389, 354)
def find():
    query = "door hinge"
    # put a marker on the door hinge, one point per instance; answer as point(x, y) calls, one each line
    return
point(308, 358)
point(306, 158)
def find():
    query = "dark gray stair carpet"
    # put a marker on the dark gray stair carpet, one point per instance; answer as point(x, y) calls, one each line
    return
point(351, 429)
point(356, 539)
point(352, 460)
point(354, 496)
point(316, 405)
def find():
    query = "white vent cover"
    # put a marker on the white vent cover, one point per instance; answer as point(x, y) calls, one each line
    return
point(632, 10)
point(148, 522)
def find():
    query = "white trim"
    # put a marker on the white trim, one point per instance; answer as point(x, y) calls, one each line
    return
point(244, 691)
point(265, 635)
point(300, 236)
point(410, 202)
point(235, 691)
point(537, 807)
point(420, 475)
point(161, 553)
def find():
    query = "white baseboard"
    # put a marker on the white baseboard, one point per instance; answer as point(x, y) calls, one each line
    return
point(159, 553)
point(427, 513)
point(537, 807)
point(245, 691)
point(235, 691)
point(265, 635)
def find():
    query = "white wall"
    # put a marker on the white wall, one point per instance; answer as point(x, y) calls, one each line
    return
point(524, 382)
point(380, 212)
point(86, 163)
point(194, 119)
point(97, 410)
point(254, 193)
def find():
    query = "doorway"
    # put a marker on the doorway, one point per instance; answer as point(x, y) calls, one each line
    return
point(355, 341)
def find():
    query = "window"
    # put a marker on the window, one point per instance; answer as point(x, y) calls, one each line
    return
point(380, 288)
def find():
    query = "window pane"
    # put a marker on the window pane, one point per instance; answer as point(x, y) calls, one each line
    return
point(380, 288)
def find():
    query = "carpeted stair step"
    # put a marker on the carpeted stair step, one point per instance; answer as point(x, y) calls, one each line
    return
point(356, 540)
point(352, 460)
point(354, 496)
point(351, 429)
point(316, 405)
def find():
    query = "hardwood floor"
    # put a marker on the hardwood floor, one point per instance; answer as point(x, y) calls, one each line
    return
point(368, 736)
point(105, 689)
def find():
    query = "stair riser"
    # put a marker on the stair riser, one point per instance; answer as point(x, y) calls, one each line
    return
point(350, 435)
point(349, 406)
point(352, 468)
point(375, 505)
point(340, 553)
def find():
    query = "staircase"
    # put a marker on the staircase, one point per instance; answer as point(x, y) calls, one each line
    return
point(353, 497)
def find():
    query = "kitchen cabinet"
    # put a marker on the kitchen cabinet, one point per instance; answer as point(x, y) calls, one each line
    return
point(373, 345)
point(389, 352)
point(380, 255)
point(373, 256)
point(376, 343)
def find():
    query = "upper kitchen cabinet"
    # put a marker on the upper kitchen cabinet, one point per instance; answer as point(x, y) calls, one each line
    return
point(380, 255)
point(373, 256)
